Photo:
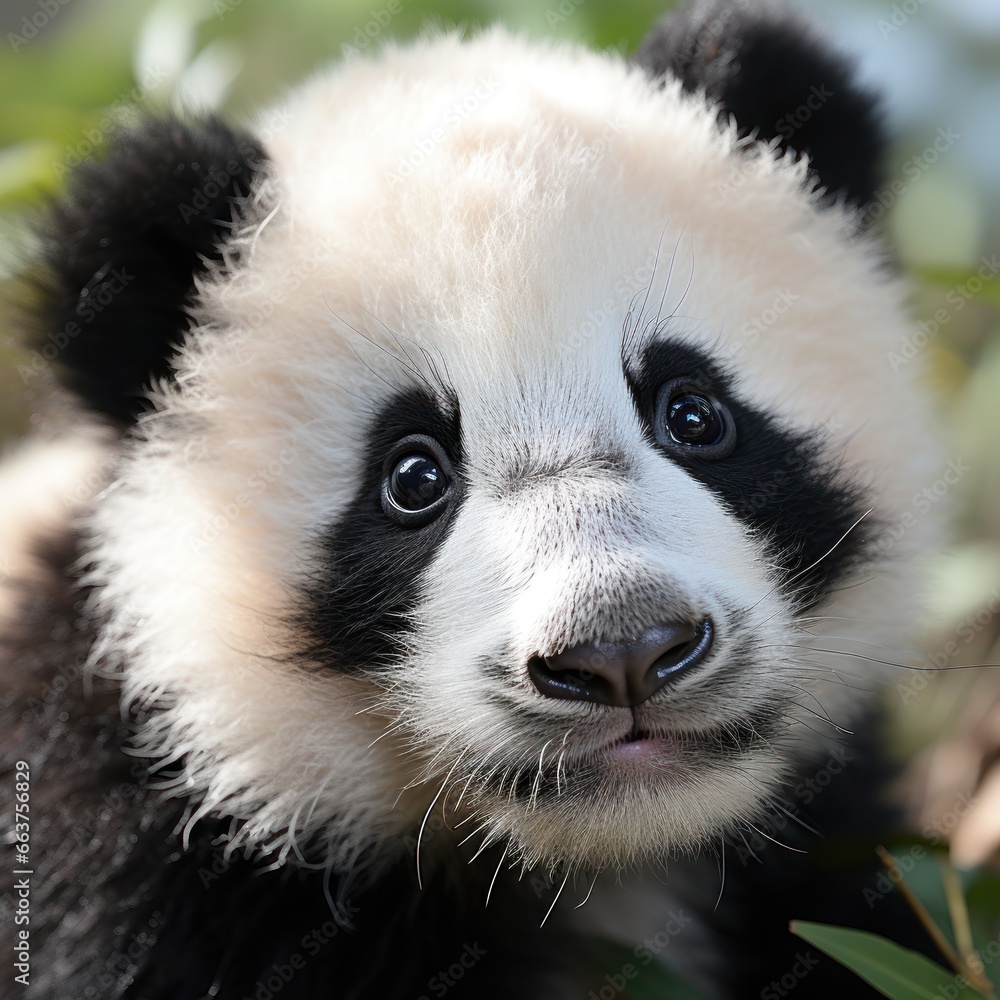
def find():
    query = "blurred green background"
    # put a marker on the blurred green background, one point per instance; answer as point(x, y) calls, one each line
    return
point(64, 63)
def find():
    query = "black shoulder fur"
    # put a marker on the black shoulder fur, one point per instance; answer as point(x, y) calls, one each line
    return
point(120, 907)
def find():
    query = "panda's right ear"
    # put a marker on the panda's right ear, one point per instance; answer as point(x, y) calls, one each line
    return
point(121, 251)
point(781, 83)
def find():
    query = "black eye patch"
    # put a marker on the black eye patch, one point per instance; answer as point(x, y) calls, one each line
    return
point(373, 557)
point(776, 480)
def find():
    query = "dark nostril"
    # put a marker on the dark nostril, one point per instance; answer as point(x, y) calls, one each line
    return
point(624, 674)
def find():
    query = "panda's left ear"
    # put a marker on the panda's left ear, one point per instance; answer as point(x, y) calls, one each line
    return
point(122, 251)
point(779, 82)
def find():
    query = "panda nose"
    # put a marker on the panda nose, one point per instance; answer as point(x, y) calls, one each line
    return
point(623, 674)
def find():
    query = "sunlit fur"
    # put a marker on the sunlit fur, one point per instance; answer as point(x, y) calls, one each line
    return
point(575, 212)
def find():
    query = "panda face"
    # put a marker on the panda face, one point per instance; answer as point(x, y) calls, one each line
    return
point(519, 474)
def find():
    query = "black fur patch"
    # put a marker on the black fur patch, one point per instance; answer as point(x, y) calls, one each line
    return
point(777, 481)
point(121, 251)
point(355, 609)
point(779, 82)
point(832, 876)
point(122, 910)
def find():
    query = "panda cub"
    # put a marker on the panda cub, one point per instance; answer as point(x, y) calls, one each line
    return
point(483, 494)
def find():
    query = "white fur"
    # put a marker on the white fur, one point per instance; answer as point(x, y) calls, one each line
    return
point(504, 264)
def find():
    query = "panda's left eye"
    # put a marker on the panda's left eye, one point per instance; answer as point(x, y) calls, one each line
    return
point(416, 481)
point(690, 420)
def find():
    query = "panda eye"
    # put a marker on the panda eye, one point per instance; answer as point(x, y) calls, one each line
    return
point(416, 482)
point(690, 421)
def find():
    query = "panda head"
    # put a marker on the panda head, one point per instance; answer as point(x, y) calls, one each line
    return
point(514, 436)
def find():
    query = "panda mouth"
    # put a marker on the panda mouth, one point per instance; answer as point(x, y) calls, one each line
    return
point(641, 748)
point(656, 754)
point(640, 758)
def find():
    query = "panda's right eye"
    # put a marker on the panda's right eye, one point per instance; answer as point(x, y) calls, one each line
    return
point(691, 421)
point(416, 482)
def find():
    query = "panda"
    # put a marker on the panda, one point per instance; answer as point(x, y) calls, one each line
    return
point(469, 564)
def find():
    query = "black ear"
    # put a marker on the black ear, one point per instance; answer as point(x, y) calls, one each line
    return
point(779, 82)
point(121, 251)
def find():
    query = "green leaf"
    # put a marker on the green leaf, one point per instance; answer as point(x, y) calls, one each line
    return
point(894, 971)
point(983, 900)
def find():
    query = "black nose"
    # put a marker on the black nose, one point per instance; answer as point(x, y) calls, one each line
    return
point(622, 673)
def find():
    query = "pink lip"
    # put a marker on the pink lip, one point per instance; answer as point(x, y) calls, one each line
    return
point(642, 750)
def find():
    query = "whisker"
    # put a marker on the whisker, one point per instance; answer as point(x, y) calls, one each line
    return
point(797, 819)
point(423, 822)
point(670, 271)
point(538, 777)
point(479, 829)
point(854, 638)
point(761, 833)
point(393, 728)
point(722, 872)
point(503, 858)
point(893, 663)
point(487, 842)
point(822, 718)
point(554, 901)
point(687, 288)
point(815, 563)
point(589, 891)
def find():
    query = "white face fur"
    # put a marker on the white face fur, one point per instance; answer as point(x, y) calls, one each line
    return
point(511, 236)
